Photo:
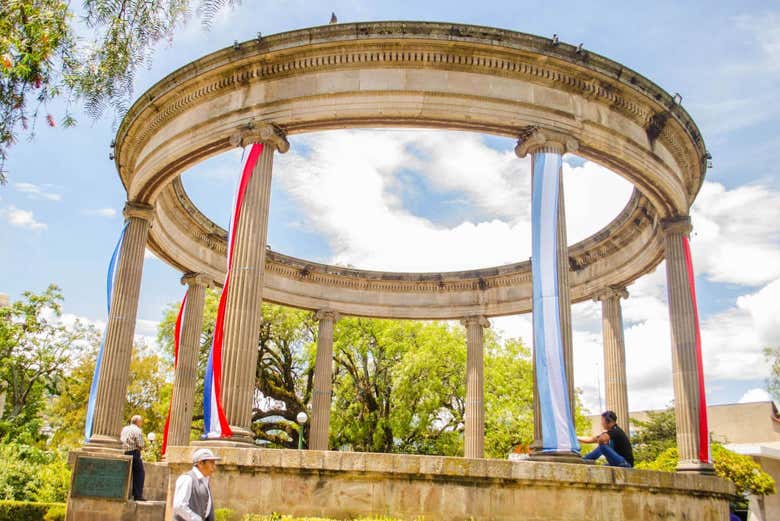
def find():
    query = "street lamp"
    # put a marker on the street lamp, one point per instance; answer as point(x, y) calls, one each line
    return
point(302, 418)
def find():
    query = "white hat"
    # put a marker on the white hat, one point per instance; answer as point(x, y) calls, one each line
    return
point(203, 455)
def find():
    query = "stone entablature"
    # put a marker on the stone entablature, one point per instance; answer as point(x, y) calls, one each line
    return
point(413, 74)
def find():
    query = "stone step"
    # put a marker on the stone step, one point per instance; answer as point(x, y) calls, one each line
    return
point(145, 511)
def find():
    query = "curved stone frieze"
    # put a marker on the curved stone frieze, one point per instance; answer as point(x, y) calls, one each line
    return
point(413, 74)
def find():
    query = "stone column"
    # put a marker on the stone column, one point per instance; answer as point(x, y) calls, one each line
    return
point(474, 438)
point(614, 352)
point(186, 372)
point(243, 307)
point(531, 141)
point(689, 403)
point(323, 384)
point(115, 368)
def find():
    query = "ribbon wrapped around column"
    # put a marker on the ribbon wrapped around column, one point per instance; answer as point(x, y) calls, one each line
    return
point(215, 424)
point(176, 343)
point(704, 437)
point(558, 432)
point(112, 264)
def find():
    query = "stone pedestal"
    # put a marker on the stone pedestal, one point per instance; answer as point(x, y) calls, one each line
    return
point(474, 434)
point(117, 351)
point(323, 384)
point(243, 308)
point(614, 353)
point(186, 371)
point(689, 403)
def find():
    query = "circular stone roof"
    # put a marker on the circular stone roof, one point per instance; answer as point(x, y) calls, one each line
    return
point(413, 74)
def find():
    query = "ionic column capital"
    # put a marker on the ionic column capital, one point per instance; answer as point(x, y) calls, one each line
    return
point(266, 133)
point(610, 292)
point(475, 320)
point(679, 224)
point(197, 279)
point(143, 211)
point(534, 139)
point(327, 314)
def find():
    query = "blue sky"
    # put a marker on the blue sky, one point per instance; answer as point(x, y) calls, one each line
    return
point(61, 210)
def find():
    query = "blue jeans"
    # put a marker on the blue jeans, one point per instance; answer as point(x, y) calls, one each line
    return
point(613, 458)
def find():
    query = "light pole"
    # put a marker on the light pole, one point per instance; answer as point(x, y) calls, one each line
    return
point(301, 418)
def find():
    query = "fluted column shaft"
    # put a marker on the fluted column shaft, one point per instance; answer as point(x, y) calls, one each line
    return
point(186, 372)
point(474, 436)
point(118, 347)
point(323, 381)
point(243, 306)
point(614, 353)
point(564, 297)
point(689, 403)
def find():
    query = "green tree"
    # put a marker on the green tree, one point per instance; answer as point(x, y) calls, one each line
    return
point(36, 350)
point(42, 57)
point(654, 435)
point(399, 386)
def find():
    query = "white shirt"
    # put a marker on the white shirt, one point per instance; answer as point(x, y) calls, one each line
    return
point(132, 437)
point(181, 497)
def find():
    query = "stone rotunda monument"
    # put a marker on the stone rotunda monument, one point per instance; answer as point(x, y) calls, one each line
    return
point(554, 99)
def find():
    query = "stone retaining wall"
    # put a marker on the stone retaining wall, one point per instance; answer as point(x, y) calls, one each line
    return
point(344, 484)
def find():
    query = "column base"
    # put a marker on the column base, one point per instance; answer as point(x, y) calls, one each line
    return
point(697, 467)
point(103, 444)
point(240, 438)
point(557, 457)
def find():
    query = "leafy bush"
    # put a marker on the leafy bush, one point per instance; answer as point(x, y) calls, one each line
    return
point(741, 470)
point(29, 511)
point(32, 474)
point(55, 513)
point(225, 514)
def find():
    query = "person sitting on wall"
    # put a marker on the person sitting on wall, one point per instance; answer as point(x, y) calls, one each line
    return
point(613, 443)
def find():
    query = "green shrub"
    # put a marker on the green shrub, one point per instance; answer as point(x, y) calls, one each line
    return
point(225, 514)
point(32, 474)
point(55, 513)
point(27, 511)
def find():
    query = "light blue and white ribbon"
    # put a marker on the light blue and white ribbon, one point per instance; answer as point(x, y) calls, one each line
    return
point(93, 388)
point(558, 433)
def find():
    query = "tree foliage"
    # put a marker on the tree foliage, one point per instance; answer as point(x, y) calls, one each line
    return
point(36, 350)
point(654, 435)
point(43, 57)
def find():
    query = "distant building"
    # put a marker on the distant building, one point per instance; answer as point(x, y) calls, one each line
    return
point(752, 429)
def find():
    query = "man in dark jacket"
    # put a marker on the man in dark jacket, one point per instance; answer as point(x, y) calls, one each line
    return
point(614, 444)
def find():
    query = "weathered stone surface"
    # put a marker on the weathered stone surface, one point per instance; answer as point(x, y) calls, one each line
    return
point(344, 484)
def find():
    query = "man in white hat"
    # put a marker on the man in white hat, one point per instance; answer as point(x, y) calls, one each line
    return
point(192, 499)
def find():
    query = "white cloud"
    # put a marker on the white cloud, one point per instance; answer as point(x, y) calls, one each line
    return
point(22, 218)
point(348, 188)
point(736, 236)
point(755, 395)
point(37, 192)
point(149, 255)
point(100, 212)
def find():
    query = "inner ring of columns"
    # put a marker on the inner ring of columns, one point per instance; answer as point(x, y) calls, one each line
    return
point(413, 74)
